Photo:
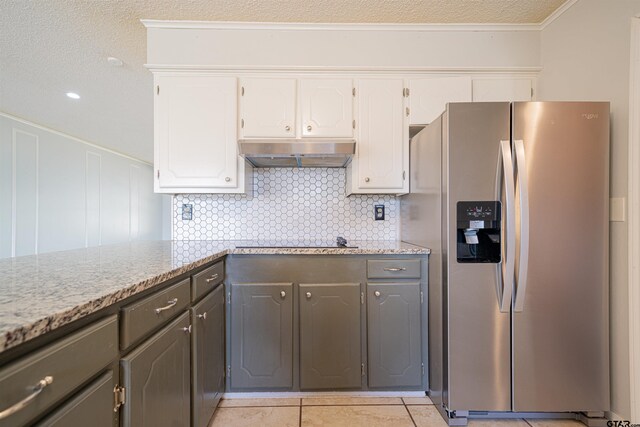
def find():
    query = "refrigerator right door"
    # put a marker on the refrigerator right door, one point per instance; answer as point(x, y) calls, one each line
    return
point(560, 313)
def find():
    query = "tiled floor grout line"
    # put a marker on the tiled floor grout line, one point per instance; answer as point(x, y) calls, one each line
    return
point(409, 412)
point(527, 421)
point(300, 413)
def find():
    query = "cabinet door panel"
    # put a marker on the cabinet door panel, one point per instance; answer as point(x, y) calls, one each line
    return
point(261, 335)
point(94, 402)
point(493, 90)
point(428, 97)
point(394, 332)
point(268, 108)
point(207, 356)
point(195, 131)
point(330, 355)
point(327, 107)
point(382, 137)
point(156, 376)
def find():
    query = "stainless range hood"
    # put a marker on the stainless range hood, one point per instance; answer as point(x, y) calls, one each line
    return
point(292, 153)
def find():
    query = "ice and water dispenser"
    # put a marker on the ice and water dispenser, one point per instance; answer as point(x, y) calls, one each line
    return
point(478, 226)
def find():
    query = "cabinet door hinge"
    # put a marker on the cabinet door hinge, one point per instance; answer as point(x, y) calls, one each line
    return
point(405, 92)
point(362, 298)
point(242, 91)
point(158, 174)
point(404, 175)
point(229, 297)
point(362, 370)
point(353, 91)
point(119, 397)
point(242, 123)
point(421, 297)
point(158, 90)
point(228, 371)
point(354, 124)
point(531, 93)
point(422, 368)
point(407, 111)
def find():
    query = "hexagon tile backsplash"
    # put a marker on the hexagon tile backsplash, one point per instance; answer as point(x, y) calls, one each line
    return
point(291, 204)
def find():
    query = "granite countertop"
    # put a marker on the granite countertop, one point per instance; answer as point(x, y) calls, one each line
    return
point(40, 293)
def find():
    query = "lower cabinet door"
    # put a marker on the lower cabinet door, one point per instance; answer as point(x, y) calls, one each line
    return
point(94, 402)
point(207, 356)
point(394, 335)
point(156, 375)
point(330, 356)
point(261, 336)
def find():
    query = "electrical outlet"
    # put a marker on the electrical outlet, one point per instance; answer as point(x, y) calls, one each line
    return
point(187, 212)
point(378, 212)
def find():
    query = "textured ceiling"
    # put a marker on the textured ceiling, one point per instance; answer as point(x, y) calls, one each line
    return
point(50, 47)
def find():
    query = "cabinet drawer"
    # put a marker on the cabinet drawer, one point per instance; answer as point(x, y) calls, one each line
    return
point(206, 280)
point(66, 363)
point(393, 269)
point(149, 314)
point(94, 402)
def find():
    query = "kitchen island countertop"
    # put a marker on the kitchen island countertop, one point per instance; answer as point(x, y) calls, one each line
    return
point(40, 293)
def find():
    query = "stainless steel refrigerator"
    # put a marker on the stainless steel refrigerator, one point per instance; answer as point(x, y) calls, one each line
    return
point(513, 200)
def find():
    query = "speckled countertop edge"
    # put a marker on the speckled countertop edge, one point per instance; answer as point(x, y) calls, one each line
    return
point(14, 335)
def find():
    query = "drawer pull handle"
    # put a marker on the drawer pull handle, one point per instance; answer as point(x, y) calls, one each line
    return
point(395, 269)
point(37, 389)
point(170, 304)
point(212, 278)
point(202, 316)
point(377, 293)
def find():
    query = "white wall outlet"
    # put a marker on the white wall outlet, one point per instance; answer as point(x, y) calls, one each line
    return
point(617, 210)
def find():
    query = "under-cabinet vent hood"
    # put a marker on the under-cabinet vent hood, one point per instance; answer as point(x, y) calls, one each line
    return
point(296, 153)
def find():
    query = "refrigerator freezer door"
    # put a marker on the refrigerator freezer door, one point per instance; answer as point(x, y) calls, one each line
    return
point(561, 338)
point(477, 359)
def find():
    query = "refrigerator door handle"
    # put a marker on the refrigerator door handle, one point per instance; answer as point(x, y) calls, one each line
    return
point(523, 193)
point(508, 264)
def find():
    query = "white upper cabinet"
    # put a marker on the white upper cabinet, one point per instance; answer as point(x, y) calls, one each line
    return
point(271, 108)
point(268, 108)
point(507, 89)
point(195, 135)
point(326, 107)
point(382, 145)
point(428, 97)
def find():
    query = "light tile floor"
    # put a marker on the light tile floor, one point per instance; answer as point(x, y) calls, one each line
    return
point(349, 412)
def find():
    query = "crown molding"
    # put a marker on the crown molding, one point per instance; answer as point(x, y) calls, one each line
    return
point(346, 69)
point(556, 14)
point(73, 138)
point(299, 26)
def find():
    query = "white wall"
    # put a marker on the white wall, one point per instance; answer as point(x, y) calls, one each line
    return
point(60, 193)
point(585, 56)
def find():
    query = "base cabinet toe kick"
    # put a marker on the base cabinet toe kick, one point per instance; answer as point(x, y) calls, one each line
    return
point(326, 323)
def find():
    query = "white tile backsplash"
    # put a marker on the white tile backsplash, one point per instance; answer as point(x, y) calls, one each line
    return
point(293, 204)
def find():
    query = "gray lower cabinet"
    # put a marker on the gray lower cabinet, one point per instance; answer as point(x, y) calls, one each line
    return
point(394, 335)
point(207, 356)
point(156, 375)
point(330, 354)
point(261, 336)
point(94, 402)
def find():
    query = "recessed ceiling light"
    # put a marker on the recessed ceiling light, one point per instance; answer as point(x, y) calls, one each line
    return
point(73, 95)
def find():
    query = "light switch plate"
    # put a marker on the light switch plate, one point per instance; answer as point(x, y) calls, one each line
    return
point(617, 211)
point(187, 212)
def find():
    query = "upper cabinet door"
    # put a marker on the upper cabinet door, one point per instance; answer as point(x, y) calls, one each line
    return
point(488, 90)
point(267, 108)
point(195, 131)
point(327, 107)
point(382, 143)
point(428, 97)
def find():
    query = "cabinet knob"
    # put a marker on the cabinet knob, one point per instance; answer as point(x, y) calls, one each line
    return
point(187, 330)
point(367, 179)
point(287, 128)
point(227, 179)
point(283, 294)
point(377, 293)
point(309, 128)
point(202, 316)
point(308, 295)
